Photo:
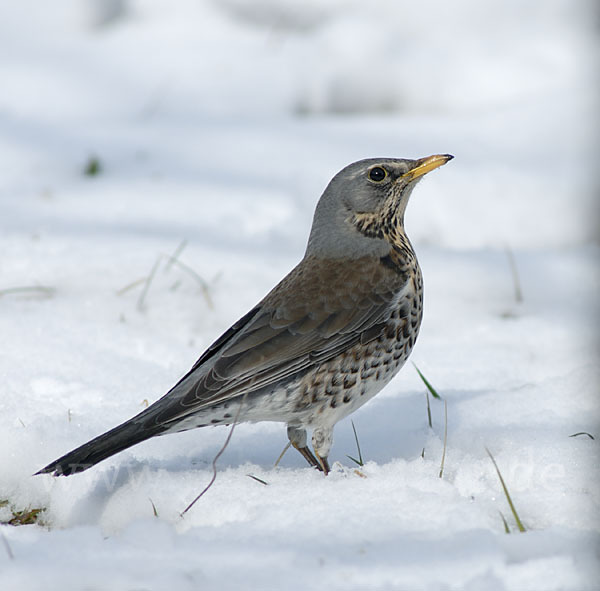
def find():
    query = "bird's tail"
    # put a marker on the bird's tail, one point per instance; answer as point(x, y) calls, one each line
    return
point(102, 447)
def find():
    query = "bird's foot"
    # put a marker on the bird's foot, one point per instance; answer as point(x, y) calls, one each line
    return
point(317, 462)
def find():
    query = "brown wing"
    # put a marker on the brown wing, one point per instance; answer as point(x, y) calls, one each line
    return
point(318, 311)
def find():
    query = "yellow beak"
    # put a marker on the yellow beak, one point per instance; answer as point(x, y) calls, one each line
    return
point(425, 165)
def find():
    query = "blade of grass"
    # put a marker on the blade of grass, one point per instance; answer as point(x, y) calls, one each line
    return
point(203, 284)
point(153, 507)
point(515, 275)
point(287, 446)
point(360, 461)
point(35, 289)
point(141, 301)
point(93, 167)
point(427, 384)
point(131, 285)
point(428, 409)
point(257, 479)
point(175, 256)
point(171, 260)
point(582, 433)
point(506, 493)
point(445, 438)
point(506, 528)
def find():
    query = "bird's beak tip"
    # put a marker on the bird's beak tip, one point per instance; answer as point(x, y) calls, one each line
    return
point(425, 165)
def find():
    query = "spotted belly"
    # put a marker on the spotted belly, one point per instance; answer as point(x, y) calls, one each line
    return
point(339, 387)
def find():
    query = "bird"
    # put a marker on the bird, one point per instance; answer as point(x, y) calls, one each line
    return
point(321, 343)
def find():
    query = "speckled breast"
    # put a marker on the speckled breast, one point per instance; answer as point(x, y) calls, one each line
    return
point(343, 384)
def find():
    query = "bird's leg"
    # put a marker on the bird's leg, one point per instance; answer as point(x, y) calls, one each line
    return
point(324, 467)
point(309, 457)
point(322, 438)
point(297, 438)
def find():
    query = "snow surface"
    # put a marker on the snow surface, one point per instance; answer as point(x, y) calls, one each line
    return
point(220, 123)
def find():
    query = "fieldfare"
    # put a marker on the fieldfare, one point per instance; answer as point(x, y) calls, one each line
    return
point(323, 342)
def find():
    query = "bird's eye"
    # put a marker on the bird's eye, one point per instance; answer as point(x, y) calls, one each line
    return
point(377, 174)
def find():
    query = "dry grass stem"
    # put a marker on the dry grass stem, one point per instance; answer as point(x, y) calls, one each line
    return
point(287, 446)
point(215, 460)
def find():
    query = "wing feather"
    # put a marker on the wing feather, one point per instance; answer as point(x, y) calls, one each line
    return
point(300, 324)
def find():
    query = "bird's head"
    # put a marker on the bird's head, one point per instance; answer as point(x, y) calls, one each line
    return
point(363, 202)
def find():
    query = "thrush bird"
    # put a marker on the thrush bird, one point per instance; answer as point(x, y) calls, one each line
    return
point(323, 342)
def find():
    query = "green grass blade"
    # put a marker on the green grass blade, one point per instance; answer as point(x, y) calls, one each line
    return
point(429, 386)
point(506, 528)
point(445, 438)
point(154, 511)
point(93, 167)
point(582, 433)
point(360, 460)
point(428, 409)
point(506, 493)
point(257, 479)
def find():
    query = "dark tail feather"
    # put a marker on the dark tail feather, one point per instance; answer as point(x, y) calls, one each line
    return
point(102, 447)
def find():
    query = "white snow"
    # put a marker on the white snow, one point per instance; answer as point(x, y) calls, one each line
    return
point(220, 123)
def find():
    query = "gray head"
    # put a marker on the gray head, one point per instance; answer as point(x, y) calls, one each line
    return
point(361, 202)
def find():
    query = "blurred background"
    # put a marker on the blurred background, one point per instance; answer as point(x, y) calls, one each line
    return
point(240, 111)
